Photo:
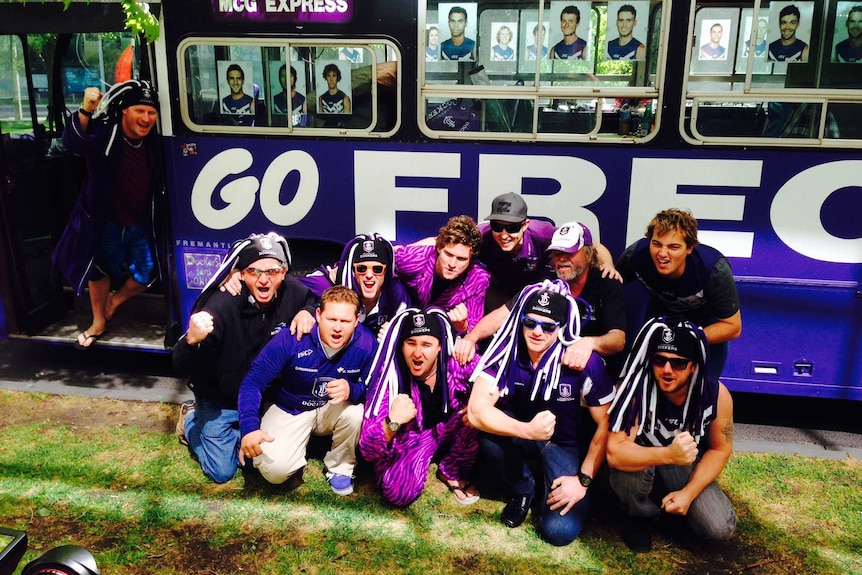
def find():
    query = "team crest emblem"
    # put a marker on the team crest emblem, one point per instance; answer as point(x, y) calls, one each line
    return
point(265, 243)
point(320, 387)
point(368, 246)
point(544, 299)
point(564, 230)
point(667, 335)
point(418, 320)
point(504, 207)
point(565, 390)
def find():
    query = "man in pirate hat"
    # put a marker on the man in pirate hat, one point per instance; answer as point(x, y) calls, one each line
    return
point(415, 410)
point(110, 227)
point(528, 405)
point(225, 334)
point(671, 434)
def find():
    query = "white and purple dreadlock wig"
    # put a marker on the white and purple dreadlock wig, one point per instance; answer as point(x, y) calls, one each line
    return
point(637, 397)
point(503, 350)
point(388, 370)
point(371, 247)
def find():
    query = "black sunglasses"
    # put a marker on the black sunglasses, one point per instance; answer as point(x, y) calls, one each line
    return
point(676, 363)
point(376, 270)
point(547, 326)
point(510, 228)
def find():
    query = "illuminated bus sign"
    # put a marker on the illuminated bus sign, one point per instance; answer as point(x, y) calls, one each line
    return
point(299, 11)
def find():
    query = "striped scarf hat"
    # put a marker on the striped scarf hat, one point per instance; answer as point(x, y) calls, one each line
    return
point(502, 353)
point(388, 369)
point(637, 396)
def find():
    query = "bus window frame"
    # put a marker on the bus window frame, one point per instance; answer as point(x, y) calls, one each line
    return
point(818, 96)
point(538, 92)
point(262, 42)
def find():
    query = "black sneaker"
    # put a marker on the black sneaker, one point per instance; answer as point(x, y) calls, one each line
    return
point(185, 408)
point(637, 533)
point(516, 510)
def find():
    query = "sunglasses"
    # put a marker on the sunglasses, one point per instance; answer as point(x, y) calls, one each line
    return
point(509, 228)
point(376, 270)
point(547, 326)
point(272, 272)
point(676, 363)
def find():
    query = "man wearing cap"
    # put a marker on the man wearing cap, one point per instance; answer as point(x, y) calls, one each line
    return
point(528, 404)
point(684, 277)
point(316, 386)
point(224, 335)
point(447, 274)
point(415, 411)
point(575, 261)
point(671, 434)
point(513, 249)
point(366, 268)
point(110, 225)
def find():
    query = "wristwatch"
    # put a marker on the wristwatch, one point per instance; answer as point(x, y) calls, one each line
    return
point(584, 479)
point(392, 425)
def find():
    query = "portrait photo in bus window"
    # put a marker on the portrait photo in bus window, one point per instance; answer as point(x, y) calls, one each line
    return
point(287, 86)
point(569, 33)
point(714, 40)
point(432, 43)
point(236, 88)
point(761, 43)
point(714, 44)
point(625, 30)
point(535, 40)
point(504, 48)
point(457, 23)
point(334, 90)
point(791, 28)
point(848, 33)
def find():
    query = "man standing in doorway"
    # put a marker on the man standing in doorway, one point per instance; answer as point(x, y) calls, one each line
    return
point(110, 226)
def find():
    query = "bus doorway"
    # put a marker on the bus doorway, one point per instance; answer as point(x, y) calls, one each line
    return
point(47, 57)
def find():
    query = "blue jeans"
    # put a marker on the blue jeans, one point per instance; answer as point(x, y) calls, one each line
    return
point(508, 455)
point(710, 515)
point(213, 434)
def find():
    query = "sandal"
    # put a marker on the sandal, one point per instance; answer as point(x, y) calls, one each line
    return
point(87, 337)
point(454, 489)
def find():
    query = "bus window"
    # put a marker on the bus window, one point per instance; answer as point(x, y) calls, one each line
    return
point(538, 70)
point(777, 73)
point(18, 123)
point(302, 88)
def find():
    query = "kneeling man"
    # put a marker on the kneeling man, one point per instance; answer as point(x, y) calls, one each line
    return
point(673, 423)
point(319, 389)
point(539, 405)
point(417, 399)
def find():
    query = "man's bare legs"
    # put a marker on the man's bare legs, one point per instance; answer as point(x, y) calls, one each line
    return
point(105, 304)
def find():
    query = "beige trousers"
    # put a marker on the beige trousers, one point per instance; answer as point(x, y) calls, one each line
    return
point(285, 455)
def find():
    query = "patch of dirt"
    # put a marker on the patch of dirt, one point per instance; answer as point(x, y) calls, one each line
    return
point(18, 407)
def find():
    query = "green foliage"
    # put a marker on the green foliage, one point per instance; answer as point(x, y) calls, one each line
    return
point(140, 21)
point(89, 472)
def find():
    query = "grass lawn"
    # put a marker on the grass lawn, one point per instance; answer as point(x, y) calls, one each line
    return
point(110, 476)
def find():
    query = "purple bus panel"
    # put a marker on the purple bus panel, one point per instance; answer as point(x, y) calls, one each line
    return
point(781, 219)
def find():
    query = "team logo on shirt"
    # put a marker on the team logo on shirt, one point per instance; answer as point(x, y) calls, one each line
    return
point(565, 390)
point(319, 389)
